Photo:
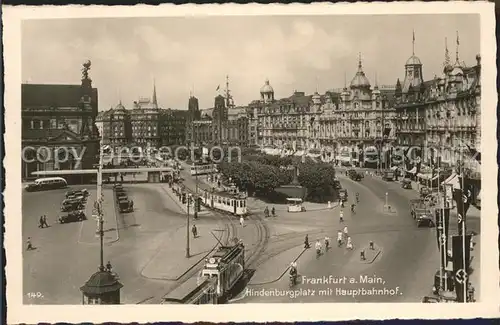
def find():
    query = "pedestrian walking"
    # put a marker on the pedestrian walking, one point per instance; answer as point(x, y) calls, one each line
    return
point(341, 218)
point(339, 238)
point(242, 221)
point(345, 232)
point(306, 242)
point(349, 243)
point(40, 222)
point(29, 245)
point(45, 224)
point(194, 230)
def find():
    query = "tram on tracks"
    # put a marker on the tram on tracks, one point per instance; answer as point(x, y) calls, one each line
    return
point(229, 201)
point(204, 294)
point(233, 203)
point(217, 279)
point(226, 265)
point(203, 168)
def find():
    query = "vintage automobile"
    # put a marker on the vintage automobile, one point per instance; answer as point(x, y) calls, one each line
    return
point(406, 184)
point(421, 213)
point(354, 175)
point(343, 194)
point(126, 205)
point(71, 205)
point(388, 175)
point(336, 184)
point(73, 216)
point(120, 193)
point(121, 196)
point(77, 193)
point(424, 191)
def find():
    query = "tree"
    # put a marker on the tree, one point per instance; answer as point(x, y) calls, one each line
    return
point(319, 179)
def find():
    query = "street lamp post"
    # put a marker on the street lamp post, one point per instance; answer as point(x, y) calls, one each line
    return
point(187, 227)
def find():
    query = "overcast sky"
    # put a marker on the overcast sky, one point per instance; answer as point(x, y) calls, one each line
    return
point(294, 52)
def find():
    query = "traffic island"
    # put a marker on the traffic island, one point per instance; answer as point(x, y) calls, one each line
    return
point(88, 231)
point(183, 207)
point(388, 209)
point(169, 261)
point(368, 254)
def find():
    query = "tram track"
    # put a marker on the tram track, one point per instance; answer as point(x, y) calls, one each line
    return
point(262, 239)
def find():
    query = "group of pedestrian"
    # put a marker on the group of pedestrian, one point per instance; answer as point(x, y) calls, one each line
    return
point(266, 212)
point(343, 236)
point(42, 222)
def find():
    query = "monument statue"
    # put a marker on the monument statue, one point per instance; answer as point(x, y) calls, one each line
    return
point(85, 69)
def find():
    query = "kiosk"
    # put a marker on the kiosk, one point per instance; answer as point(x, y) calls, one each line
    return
point(295, 205)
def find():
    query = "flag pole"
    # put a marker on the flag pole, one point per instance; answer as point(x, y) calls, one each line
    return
point(464, 255)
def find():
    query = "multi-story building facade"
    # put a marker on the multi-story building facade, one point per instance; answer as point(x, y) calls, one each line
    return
point(224, 124)
point(55, 117)
point(173, 126)
point(442, 116)
point(354, 118)
point(146, 124)
point(360, 117)
point(286, 121)
point(115, 126)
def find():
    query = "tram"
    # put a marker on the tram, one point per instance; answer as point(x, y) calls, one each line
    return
point(203, 169)
point(234, 203)
point(226, 265)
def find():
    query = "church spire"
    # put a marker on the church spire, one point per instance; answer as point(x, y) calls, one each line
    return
point(155, 102)
point(458, 44)
point(360, 65)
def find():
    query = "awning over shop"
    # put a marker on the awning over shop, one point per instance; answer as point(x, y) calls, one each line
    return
point(454, 180)
point(412, 171)
point(425, 176)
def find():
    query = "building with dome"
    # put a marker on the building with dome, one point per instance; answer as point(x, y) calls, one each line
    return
point(362, 116)
point(287, 121)
point(441, 115)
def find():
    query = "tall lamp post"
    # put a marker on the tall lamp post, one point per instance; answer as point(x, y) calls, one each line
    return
point(103, 287)
point(188, 199)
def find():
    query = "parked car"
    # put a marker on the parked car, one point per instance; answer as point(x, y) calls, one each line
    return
point(343, 195)
point(71, 205)
point(406, 184)
point(424, 191)
point(76, 193)
point(354, 175)
point(126, 205)
point(72, 216)
point(388, 175)
point(421, 213)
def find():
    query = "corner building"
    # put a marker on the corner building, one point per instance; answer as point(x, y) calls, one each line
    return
point(59, 116)
point(442, 116)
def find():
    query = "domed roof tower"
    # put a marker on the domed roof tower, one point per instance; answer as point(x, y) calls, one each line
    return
point(360, 81)
point(413, 71)
point(267, 92)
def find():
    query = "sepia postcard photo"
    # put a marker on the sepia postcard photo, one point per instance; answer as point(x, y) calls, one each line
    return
point(298, 157)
